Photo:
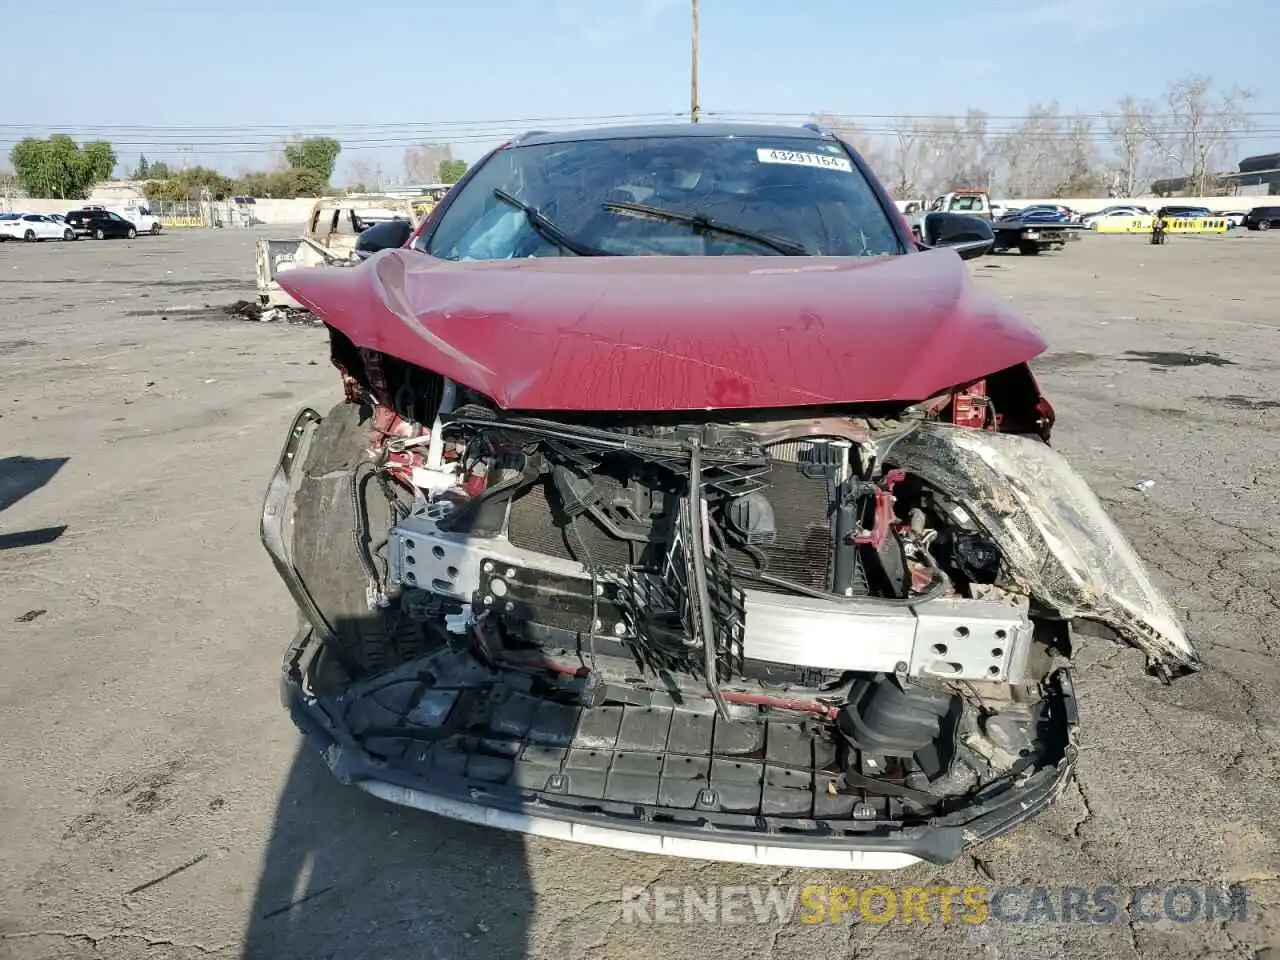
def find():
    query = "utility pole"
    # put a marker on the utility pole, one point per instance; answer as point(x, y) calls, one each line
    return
point(693, 77)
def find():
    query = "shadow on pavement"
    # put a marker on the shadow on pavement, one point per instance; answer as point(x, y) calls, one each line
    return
point(31, 538)
point(20, 476)
point(347, 875)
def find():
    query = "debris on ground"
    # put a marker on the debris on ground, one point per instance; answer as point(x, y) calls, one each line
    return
point(244, 309)
point(248, 310)
point(1143, 486)
point(30, 615)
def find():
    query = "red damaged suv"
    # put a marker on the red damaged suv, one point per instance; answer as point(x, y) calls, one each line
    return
point(631, 533)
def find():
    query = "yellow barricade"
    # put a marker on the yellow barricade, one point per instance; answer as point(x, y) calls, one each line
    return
point(1173, 225)
point(181, 222)
point(1198, 225)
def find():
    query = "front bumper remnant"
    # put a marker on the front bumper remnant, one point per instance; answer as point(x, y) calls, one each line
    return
point(612, 777)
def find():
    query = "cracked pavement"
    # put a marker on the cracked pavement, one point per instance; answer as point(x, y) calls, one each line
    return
point(158, 806)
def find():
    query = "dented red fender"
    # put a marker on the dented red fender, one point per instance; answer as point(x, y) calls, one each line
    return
point(676, 333)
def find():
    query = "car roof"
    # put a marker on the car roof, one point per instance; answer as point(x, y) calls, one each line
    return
point(649, 130)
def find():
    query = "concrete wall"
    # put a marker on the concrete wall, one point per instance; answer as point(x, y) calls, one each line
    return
point(1083, 205)
point(267, 211)
point(293, 212)
point(1089, 205)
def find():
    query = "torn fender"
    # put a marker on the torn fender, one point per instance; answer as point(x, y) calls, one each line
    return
point(1057, 538)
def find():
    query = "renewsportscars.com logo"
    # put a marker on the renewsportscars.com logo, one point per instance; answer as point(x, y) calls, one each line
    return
point(941, 904)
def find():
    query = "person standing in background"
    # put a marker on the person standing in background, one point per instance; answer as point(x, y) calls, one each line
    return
point(1158, 227)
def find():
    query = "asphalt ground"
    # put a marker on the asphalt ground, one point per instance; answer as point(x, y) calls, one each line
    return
point(155, 802)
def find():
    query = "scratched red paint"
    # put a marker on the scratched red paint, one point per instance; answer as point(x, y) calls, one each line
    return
point(676, 333)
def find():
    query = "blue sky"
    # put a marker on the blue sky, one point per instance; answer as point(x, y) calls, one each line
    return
point(259, 68)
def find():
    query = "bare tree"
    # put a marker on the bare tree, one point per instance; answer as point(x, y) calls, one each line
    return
point(965, 157)
point(363, 176)
point(865, 143)
point(1048, 154)
point(931, 155)
point(1077, 157)
point(1199, 127)
point(908, 149)
point(936, 138)
point(1030, 153)
point(8, 188)
point(422, 163)
point(1130, 128)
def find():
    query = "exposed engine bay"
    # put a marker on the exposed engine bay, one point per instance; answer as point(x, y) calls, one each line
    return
point(748, 624)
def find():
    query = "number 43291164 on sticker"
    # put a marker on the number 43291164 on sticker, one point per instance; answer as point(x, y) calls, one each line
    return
point(766, 155)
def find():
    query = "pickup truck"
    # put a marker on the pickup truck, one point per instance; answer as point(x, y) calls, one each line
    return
point(972, 203)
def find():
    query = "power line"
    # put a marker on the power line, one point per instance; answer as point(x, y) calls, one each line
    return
point(177, 149)
point(285, 128)
point(255, 139)
point(960, 117)
point(446, 128)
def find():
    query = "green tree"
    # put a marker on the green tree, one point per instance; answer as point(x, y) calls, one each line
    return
point(307, 183)
point(146, 170)
point(316, 155)
point(451, 171)
point(281, 184)
point(190, 184)
point(59, 167)
point(98, 160)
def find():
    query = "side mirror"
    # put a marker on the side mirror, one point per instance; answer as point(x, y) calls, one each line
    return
point(388, 235)
point(968, 236)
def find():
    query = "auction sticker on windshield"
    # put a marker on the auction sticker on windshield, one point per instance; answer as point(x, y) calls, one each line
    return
point(767, 155)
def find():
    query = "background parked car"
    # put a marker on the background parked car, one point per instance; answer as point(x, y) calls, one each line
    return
point(1262, 218)
point(1126, 210)
point(1064, 212)
point(101, 224)
point(32, 227)
point(136, 212)
point(1234, 218)
point(1183, 212)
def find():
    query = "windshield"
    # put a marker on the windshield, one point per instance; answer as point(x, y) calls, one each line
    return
point(704, 196)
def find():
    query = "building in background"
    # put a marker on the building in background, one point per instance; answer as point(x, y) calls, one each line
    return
point(1260, 176)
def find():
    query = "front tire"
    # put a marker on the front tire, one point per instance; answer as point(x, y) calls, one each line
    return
point(155, 229)
point(99, 234)
point(68, 234)
point(1264, 224)
point(132, 233)
point(29, 236)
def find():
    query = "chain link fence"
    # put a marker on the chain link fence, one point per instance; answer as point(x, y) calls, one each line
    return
point(181, 213)
point(236, 212)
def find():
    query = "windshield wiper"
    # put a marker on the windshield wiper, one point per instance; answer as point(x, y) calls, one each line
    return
point(546, 228)
point(704, 224)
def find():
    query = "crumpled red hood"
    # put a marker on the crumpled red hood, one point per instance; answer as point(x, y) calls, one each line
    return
point(676, 333)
